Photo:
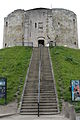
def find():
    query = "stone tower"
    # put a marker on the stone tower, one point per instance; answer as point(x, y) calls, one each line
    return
point(40, 26)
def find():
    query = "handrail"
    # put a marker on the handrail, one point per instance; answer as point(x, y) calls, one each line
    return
point(25, 83)
point(39, 83)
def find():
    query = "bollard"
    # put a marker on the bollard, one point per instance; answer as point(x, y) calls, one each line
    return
point(66, 109)
point(72, 113)
point(63, 107)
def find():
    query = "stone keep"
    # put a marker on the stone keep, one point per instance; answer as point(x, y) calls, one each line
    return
point(40, 26)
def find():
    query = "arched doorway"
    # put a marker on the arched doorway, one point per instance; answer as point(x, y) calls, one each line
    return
point(40, 43)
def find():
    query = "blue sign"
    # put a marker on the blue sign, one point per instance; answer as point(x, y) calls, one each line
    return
point(3, 88)
point(75, 90)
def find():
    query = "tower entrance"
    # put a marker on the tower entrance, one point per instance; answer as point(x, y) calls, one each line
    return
point(40, 43)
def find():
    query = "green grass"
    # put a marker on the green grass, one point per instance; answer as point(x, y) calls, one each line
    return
point(14, 63)
point(66, 66)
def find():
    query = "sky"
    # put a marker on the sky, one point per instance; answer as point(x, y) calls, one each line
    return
point(8, 6)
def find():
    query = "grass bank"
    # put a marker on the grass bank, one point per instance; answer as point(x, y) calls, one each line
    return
point(14, 63)
point(66, 66)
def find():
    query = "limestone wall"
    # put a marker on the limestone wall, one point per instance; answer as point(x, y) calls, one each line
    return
point(13, 28)
point(65, 27)
point(57, 25)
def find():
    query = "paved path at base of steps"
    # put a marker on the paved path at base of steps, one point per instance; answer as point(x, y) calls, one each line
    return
point(24, 117)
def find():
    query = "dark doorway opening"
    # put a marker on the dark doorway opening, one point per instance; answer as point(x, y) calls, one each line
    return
point(40, 43)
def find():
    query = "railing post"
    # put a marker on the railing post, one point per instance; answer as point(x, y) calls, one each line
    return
point(39, 83)
point(38, 109)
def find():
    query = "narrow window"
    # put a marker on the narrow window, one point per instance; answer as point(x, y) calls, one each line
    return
point(22, 24)
point(5, 44)
point(30, 34)
point(35, 25)
point(74, 43)
point(73, 20)
point(6, 24)
point(58, 23)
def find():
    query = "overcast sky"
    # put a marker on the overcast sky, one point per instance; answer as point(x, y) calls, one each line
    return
point(7, 6)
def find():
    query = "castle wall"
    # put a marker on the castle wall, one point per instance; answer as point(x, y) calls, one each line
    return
point(13, 28)
point(57, 25)
point(37, 26)
point(65, 27)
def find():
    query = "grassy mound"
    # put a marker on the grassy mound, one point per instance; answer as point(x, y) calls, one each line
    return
point(14, 62)
point(66, 66)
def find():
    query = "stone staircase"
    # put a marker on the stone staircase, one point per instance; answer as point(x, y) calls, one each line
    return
point(48, 101)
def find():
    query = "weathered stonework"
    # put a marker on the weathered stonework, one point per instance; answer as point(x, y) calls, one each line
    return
point(41, 26)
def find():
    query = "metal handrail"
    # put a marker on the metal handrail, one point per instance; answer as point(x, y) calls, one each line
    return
point(39, 83)
point(25, 83)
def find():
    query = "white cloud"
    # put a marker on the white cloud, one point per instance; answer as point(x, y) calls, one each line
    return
point(7, 6)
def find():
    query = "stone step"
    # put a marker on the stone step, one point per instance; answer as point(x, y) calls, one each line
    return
point(48, 104)
point(31, 85)
point(46, 73)
point(28, 89)
point(30, 94)
point(41, 99)
point(46, 88)
point(40, 110)
point(29, 113)
point(35, 92)
point(31, 90)
point(28, 110)
point(47, 82)
point(35, 109)
point(36, 101)
point(46, 91)
point(31, 97)
point(29, 102)
point(48, 110)
point(32, 81)
point(41, 107)
point(41, 104)
point(48, 96)
point(34, 77)
point(48, 113)
point(30, 107)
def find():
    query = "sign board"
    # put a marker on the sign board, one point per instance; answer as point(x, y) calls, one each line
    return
point(3, 88)
point(75, 90)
